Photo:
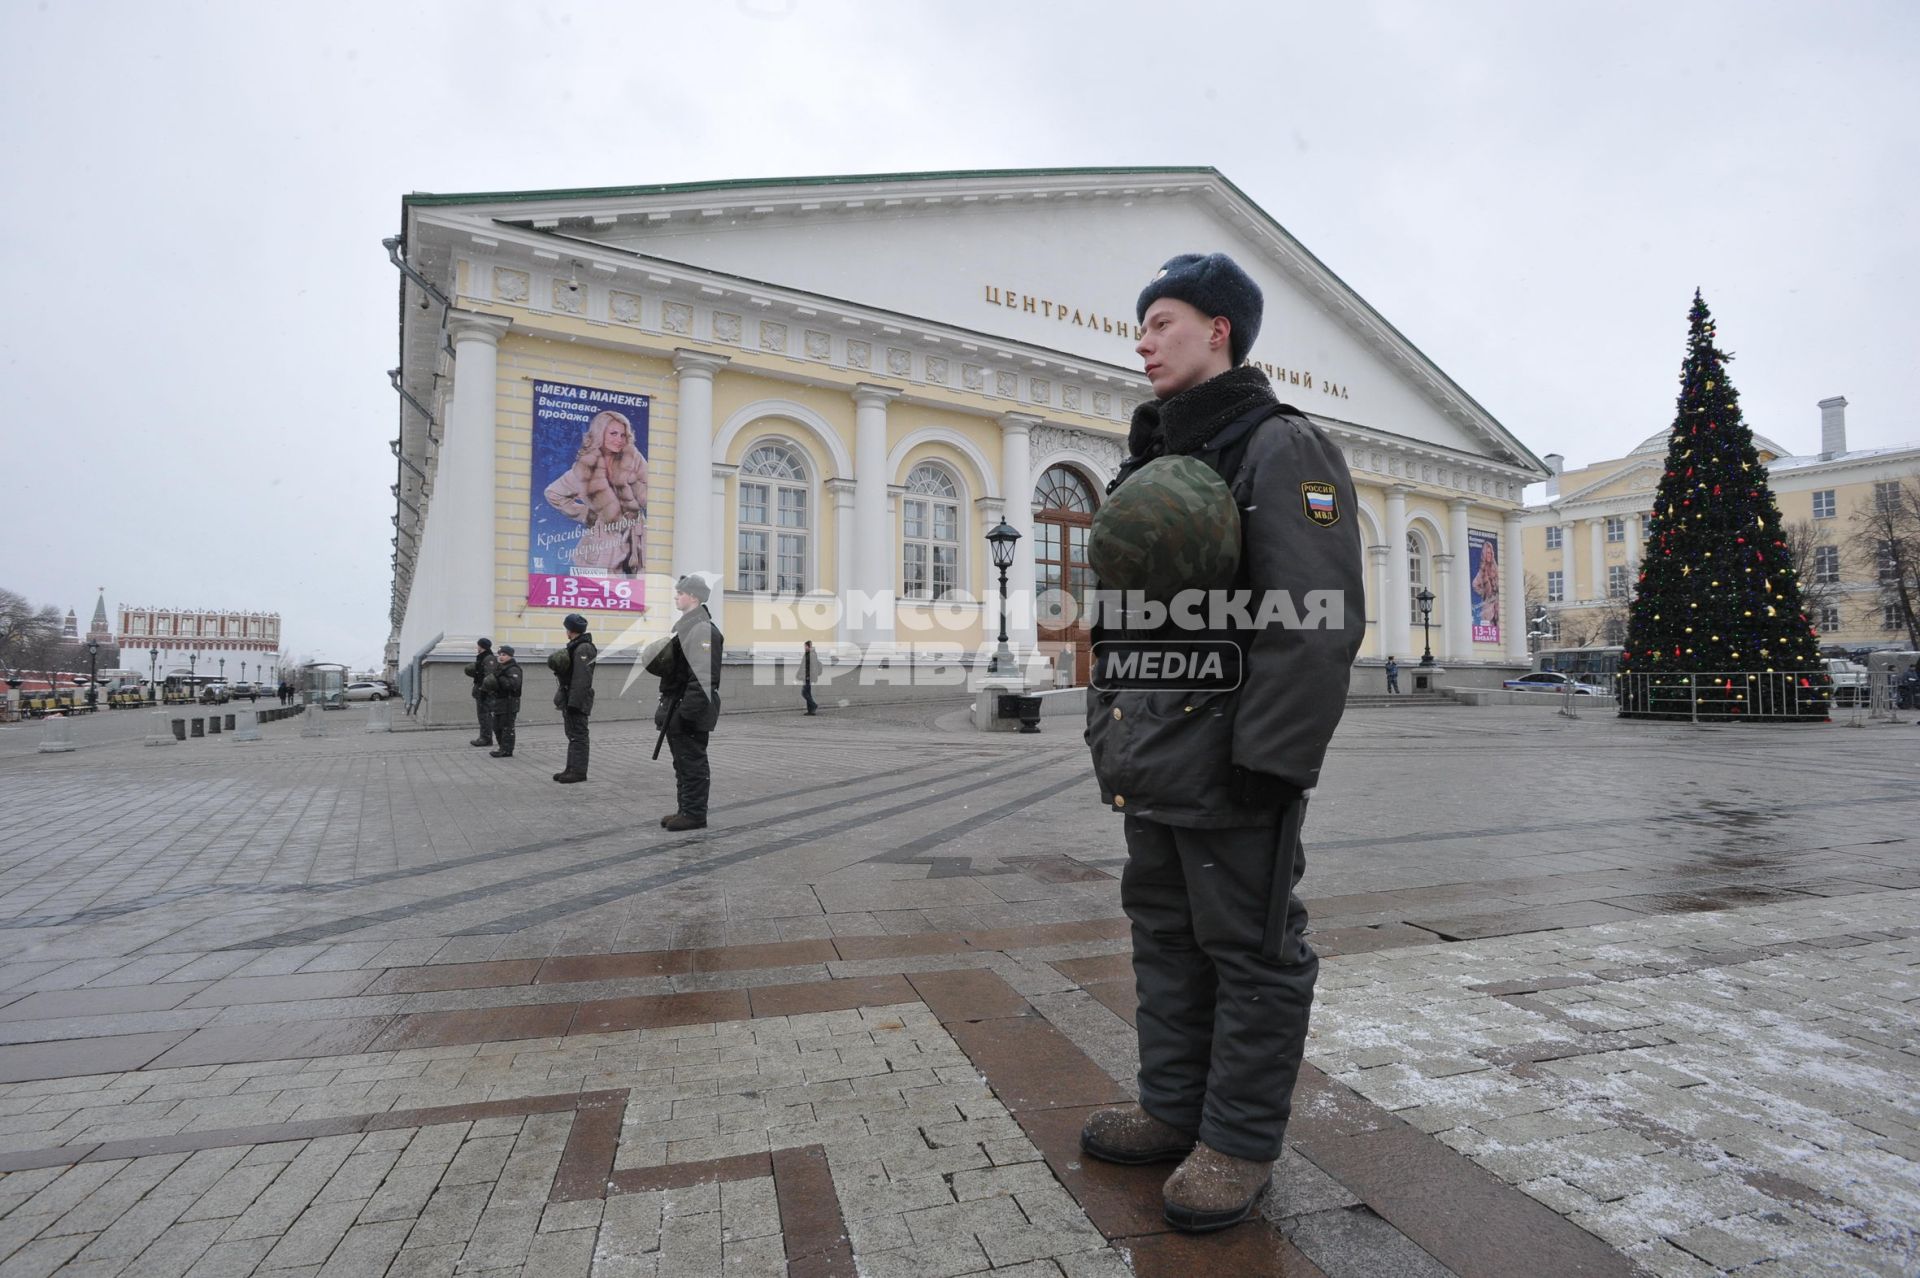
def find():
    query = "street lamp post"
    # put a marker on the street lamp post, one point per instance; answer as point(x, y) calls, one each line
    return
point(1001, 542)
point(153, 675)
point(223, 670)
point(93, 674)
point(193, 675)
point(1425, 600)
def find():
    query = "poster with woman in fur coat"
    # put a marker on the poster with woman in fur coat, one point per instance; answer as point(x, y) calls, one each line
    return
point(587, 543)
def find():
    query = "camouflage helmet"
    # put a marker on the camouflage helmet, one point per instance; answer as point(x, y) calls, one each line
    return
point(560, 660)
point(1171, 526)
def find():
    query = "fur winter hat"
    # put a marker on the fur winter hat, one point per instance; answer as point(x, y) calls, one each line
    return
point(1213, 284)
point(486, 645)
point(574, 622)
point(694, 584)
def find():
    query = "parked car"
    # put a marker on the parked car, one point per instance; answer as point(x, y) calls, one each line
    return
point(1849, 680)
point(1554, 681)
point(368, 690)
point(215, 694)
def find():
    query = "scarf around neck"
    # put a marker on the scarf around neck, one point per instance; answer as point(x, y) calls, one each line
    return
point(1184, 422)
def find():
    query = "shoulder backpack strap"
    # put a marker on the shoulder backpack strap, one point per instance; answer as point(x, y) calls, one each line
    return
point(1228, 448)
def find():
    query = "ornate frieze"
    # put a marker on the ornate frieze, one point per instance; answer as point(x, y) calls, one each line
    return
point(511, 286)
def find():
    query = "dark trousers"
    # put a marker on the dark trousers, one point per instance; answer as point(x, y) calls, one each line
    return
point(692, 775)
point(806, 695)
point(483, 709)
point(576, 724)
point(503, 720)
point(1224, 978)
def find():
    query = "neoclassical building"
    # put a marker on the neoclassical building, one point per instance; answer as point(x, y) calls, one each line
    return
point(1583, 539)
point(838, 386)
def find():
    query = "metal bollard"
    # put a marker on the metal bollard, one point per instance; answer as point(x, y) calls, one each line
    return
point(58, 737)
point(213, 725)
point(249, 729)
point(230, 723)
point(196, 727)
point(159, 728)
point(179, 729)
point(379, 717)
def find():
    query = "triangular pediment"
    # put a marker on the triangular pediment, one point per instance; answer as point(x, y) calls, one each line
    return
point(1642, 477)
point(1052, 258)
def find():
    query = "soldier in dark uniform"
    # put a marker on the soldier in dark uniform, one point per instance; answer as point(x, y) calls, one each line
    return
point(688, 665)
point(504, 683)
point(478, 670)
point(1212, 785)
point(573, 667)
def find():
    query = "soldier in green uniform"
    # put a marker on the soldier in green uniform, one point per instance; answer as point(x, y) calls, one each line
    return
point(504, 685)
point(1212, 784)
point(688, 666)
point(478, 670)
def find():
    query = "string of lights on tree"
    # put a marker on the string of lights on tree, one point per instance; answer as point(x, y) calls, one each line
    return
point(1717, 621)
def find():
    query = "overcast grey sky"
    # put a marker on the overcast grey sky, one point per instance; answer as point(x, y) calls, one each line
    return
point(193, 402)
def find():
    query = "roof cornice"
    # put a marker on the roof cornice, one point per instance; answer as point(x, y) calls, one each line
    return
point(549, 211)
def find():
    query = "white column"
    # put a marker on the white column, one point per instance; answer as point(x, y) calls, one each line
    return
point(842, 490)
point(1513, 591)
point(1633, 542)
point(1569, 529)
point(693, 463)
point(721, 552)
point(1460, 590)
point(1396, 605)
point(1377, 591)
point(872, 551)
point(1446, 614)
point(1597, 557)
point(1016, 487)
point(463, 488)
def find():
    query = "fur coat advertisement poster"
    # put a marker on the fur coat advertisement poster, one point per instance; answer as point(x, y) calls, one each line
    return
point(587, 513)
point(1483, 562)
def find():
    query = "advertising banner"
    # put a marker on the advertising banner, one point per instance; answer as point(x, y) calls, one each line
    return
point(587, 500)
point(1483, 565)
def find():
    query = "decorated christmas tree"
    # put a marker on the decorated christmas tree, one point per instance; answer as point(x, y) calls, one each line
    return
point(1717, 629)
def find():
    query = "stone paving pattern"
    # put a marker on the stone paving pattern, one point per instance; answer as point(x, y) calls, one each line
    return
point(1635, 997)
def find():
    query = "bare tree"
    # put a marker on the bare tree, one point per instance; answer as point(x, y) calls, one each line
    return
point(1804, 543)
point(1886, 533)
point(27, 634)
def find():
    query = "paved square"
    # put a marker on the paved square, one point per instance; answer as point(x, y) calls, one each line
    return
point(1597, 998)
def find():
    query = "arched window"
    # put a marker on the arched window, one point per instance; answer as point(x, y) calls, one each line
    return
point(930, 527)
point(774, 521)
point(1064, 490)
point(1416, 572)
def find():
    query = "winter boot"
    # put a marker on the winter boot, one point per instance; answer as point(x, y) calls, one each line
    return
point(1133, 1136)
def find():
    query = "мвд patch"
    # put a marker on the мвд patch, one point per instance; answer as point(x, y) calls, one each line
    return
point(1321, 502)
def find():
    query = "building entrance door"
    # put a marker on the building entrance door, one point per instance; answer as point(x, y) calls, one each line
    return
point(1062, 577)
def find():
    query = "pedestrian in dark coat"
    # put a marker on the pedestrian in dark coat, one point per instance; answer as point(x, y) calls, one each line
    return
point(505, 683)
point(1393, 675)
point(809, 671)
point(573, 666)
point(478, 670)
point(1212, 785)
point(689, 669)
